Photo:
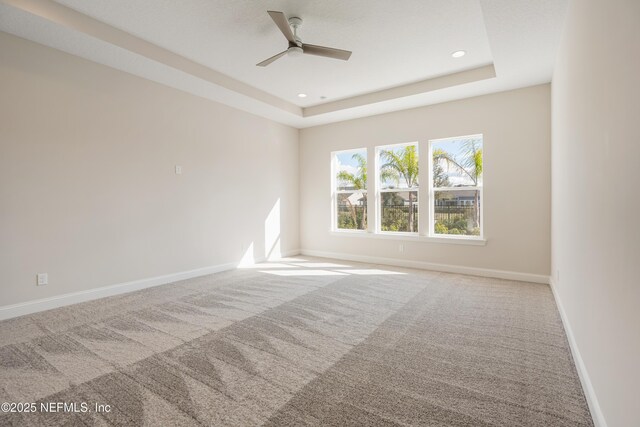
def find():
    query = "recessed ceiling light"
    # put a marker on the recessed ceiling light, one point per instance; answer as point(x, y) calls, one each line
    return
point(458, 53)
point(302, 95)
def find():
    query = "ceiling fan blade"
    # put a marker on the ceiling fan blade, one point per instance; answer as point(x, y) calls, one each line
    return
point(283, 24)
point(270, 60)
point(329, 52)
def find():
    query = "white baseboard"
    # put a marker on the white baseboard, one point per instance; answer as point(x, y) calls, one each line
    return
point(592, 400)
point(421, 265)
point(587, 387)
point(21, 309)
point(29, 307)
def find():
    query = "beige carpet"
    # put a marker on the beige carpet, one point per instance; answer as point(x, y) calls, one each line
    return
point(300, 342)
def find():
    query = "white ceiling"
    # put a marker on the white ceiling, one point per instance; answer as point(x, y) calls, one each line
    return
point(392, 42)
point(406, 43)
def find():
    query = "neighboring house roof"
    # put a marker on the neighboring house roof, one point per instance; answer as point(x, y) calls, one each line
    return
point(462, 194)
point(355, 198)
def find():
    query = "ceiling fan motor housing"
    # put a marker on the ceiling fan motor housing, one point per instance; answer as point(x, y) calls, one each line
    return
point(295, 23)
point(295, 51)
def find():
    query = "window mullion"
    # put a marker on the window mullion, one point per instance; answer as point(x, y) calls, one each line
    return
point(424, 172)
point(334, 193)
point(372, 191)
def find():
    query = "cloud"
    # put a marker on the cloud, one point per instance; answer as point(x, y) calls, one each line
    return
point(348, 168)
point(456, 177)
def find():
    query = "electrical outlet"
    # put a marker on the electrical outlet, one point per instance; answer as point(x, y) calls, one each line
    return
point(401, 247)
point(178, 170)
point(42, 279)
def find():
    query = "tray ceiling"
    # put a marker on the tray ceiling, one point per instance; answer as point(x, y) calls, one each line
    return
point(401, 50)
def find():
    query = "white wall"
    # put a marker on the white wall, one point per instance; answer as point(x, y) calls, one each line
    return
point(88, 192)
point(516, 129)
point(596, 198)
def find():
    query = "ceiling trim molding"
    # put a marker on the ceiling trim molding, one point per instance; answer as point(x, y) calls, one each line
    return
point(423, 86)
point(70, 18)
point(522, 61)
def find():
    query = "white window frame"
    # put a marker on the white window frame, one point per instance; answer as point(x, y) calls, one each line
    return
point(379, 190)
point(335, 191)
point(425, 200)
point(432, 190)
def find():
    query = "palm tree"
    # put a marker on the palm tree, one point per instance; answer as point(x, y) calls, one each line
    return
point(402, 164)
point(440, 178)
point(359, 182)
point(470, 165)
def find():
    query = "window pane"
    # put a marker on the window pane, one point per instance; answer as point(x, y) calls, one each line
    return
point(457, 212)
point(351, 170)
point(457, 162)
point(399, 166)
point(399, 211)
point(352, 211)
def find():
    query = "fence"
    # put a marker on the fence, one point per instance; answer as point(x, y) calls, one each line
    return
point(452, 213)
point(396, 217)
point(345, 217)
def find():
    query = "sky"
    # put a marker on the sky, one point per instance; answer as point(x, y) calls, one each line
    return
point(455, 147)
point(345, 162)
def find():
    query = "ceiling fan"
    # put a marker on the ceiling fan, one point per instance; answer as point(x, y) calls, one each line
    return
point(296, 47)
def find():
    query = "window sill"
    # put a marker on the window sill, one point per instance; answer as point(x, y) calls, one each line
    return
point(414, 237)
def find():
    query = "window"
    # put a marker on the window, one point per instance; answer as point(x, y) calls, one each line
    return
point(455, 186)
point(452, 206)
point(350, 189)
point(397, 204)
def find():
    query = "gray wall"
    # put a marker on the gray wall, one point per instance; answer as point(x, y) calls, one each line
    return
point(88, 192)
point(517, 131)
point(596, 198)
